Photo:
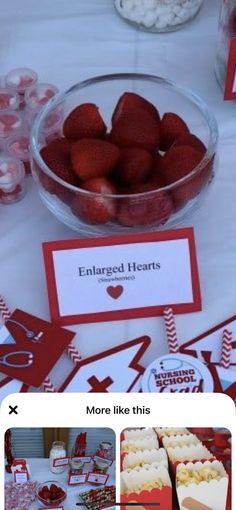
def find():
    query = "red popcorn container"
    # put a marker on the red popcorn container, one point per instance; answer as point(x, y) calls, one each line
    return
point(18, 146)
point(191, 453)
point(141, 458)
point(9, 99)
point(146, 485)
point(181, 441)
point(222, 438)
point(20, 80)
point(170, 432)
point(225, 67)
point(138, 433)
point(12, 184)
point(10, 123)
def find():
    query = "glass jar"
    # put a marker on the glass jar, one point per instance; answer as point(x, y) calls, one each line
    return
point(105, 450)
point(227, 31)
point(158, 15)
point(58, 451)
point(100, 466)
point(76, 466)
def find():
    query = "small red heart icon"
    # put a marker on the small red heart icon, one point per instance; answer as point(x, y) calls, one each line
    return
point(115, 292)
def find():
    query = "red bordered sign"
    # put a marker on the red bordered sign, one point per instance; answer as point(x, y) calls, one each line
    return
point(97, 478)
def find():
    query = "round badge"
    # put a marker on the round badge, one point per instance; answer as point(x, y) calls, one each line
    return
point(177, 373)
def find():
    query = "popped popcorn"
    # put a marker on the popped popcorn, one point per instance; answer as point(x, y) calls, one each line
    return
point(186, 476)
point(158, 15)
point(147, 486)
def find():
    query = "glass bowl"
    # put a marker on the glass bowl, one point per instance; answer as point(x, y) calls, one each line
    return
point(54, 502)
point(165, 207)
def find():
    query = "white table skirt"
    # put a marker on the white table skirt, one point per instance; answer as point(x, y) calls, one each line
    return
point(40, 472)
point(69, 41)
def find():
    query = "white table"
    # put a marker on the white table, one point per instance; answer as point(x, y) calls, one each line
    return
point(69, 41)
point(39, 471)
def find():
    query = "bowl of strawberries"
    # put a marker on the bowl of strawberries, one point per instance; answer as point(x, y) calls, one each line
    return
point(51, 493)
point(135, 152)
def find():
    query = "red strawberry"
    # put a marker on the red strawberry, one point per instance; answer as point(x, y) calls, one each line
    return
point(172, 127)
point(134, 165)
point(146, 210)
point(95, 209)
point(232, 23)
point(45, 495)
point(157, 164)
point(136, 129)
point(179, 162)
point(131, 102)
point(84, 121)
point(93, 158)
point(155, 181)
point(56, 155)
point(54, 488)
point(191, 140)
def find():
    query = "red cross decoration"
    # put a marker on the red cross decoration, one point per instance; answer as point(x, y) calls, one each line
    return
point(99, 386)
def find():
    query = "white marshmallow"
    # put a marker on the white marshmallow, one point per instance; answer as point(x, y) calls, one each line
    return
point(158, 13)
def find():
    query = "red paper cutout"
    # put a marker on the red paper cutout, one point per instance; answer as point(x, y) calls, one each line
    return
point(116, 369)
point(99, 386)
point(41, 342)
point(208, 346)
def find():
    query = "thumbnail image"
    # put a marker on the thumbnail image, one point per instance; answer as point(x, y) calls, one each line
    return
point(176, 468)
point(59, 468)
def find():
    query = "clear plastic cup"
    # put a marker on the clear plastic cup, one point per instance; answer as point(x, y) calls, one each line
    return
point(52, 125)
point(39, 94)
point(12, 182)
point(20, 80)
point(10, 123)
point(9, 99)
point(18, 146)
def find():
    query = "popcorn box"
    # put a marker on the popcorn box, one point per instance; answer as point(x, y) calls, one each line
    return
point(133, 445)
point(138, 433)
point(170, 432)
point(141, 458)
point(211, 493)
point(191, 453)
point(181, 441)
point(138, 485)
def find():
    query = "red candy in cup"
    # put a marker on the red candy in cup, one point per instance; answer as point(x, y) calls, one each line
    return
point(9, 100)
point(10, 123)
point(18, 146)
point(39, 94)
point(20, 80)
point(11, 180)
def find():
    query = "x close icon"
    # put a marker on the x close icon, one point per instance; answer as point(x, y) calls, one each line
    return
point(13, 410)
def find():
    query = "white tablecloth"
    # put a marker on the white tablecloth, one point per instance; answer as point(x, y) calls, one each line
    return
point(69, 41)
point(39, 471)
